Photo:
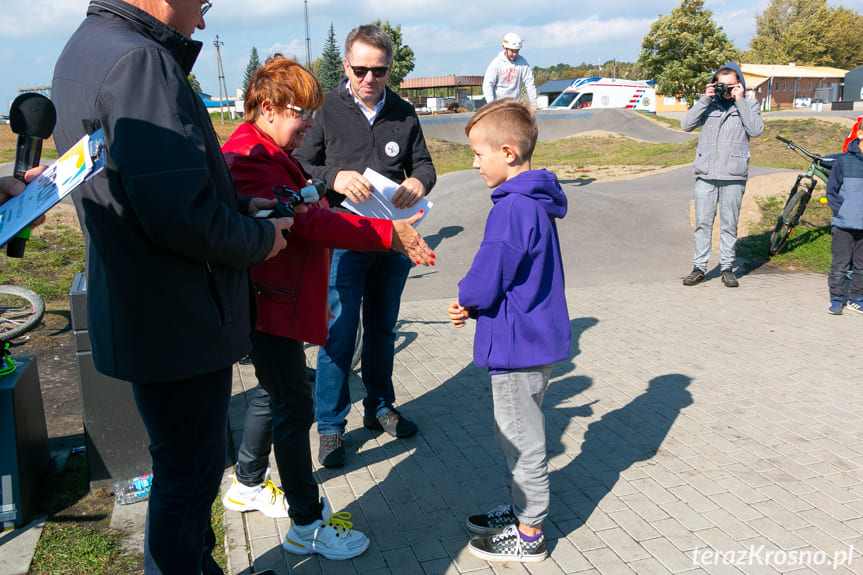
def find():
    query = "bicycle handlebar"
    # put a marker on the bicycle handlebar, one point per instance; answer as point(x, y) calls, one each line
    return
point(798, 148)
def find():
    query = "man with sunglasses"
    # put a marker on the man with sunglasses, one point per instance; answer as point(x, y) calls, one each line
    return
point(363, 124)
point(169, 300)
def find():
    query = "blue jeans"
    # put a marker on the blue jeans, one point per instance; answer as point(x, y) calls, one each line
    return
point(187, 423)
point(519, 426)
point(728, 195)
point(374, 280)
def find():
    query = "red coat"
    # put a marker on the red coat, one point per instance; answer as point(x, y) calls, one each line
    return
point(292, 287)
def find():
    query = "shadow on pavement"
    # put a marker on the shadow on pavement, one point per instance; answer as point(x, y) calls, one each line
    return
point(578, 181)
point(446, 232)
point(452, 468)
point(611, 445)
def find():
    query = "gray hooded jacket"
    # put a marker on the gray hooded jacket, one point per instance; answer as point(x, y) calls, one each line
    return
point(723, 146)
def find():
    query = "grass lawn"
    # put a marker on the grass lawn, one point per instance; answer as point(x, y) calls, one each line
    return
point(77, 538)
point(808, 248)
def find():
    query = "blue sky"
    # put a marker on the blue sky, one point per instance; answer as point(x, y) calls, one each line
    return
point(447, 38)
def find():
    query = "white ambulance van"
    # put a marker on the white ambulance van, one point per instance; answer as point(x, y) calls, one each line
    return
point(607, 93)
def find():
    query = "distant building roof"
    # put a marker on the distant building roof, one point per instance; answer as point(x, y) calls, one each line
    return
point(450, 81)
point(554, 86)
point(791, 71)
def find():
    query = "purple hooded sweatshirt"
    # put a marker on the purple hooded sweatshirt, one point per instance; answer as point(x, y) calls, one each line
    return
point(515, 285)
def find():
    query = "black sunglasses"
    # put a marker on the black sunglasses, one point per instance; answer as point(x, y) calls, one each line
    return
point(361, 71)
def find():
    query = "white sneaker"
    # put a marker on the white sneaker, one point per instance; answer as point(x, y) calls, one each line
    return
point(264, 497)
point(333, 538)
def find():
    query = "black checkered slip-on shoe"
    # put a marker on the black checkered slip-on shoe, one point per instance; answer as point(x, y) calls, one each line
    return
point(508, 546)
point(493, 522)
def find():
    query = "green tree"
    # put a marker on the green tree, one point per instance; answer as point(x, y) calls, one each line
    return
point(808, 33)
point(609, 69)
point(403, 56)
point(847, 48)
point(330, 71)
point(682, 50)
point(196, 86)
point(251, 68)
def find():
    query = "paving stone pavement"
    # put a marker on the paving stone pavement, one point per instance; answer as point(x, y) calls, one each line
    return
point(694, 429)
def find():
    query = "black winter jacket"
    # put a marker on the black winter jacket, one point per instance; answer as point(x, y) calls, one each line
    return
point(168, 292)
point(342, 139)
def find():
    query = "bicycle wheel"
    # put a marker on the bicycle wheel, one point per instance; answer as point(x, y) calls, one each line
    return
point(20, 311)
point(789, 218)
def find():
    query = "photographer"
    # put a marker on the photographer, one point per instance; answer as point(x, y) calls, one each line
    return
point(727, 119)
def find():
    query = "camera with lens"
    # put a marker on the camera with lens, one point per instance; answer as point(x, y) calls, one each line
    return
point(721, 89)
point(288, 199)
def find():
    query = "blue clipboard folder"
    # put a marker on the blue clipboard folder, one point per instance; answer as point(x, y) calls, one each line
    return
point(78, 164)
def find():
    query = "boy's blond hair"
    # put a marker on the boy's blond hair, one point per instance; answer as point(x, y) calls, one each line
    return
point(507, 122)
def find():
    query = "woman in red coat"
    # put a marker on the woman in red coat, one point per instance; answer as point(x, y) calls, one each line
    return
point(291, 291)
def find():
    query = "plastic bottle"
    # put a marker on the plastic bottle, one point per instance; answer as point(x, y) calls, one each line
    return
point(133, 490)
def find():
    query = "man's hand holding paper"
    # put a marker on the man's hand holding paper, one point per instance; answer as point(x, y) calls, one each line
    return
point(409, 193)
point(353, 186)
point(382, 203)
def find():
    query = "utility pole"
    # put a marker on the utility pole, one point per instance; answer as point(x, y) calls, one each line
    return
point(308, 38)
point(217, 43)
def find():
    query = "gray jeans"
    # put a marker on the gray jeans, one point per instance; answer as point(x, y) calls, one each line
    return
point(519, 426)
point(728, 195)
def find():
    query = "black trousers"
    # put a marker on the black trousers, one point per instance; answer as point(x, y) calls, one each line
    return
point(186, 422)
point(847, 250)
point(280, 366)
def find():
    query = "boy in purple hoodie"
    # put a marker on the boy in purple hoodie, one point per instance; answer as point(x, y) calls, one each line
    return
point(515, 292)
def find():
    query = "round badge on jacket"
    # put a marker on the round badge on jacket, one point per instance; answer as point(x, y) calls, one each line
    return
point(392, 149)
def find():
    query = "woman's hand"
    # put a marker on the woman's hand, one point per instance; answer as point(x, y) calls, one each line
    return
point(409, 242)
point(258, 204)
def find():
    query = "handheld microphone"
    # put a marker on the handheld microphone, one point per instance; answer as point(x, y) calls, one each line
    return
point(32, 116)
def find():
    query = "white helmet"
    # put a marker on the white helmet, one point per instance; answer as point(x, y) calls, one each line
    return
point(512, 41)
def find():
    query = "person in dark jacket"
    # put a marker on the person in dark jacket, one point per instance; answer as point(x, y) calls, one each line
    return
point(727, 119)
point(845, 198)
point(515, 291)
point(362, 124)
point(169, 300)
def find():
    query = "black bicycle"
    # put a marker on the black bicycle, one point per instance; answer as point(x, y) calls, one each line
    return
point(20, 311)
point(801, 192)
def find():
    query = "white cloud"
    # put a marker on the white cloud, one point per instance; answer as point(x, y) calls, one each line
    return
point(40, 17)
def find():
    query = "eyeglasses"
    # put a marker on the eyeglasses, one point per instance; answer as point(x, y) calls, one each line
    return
point(205, 7)
point(305, 113)
point(361, 71)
